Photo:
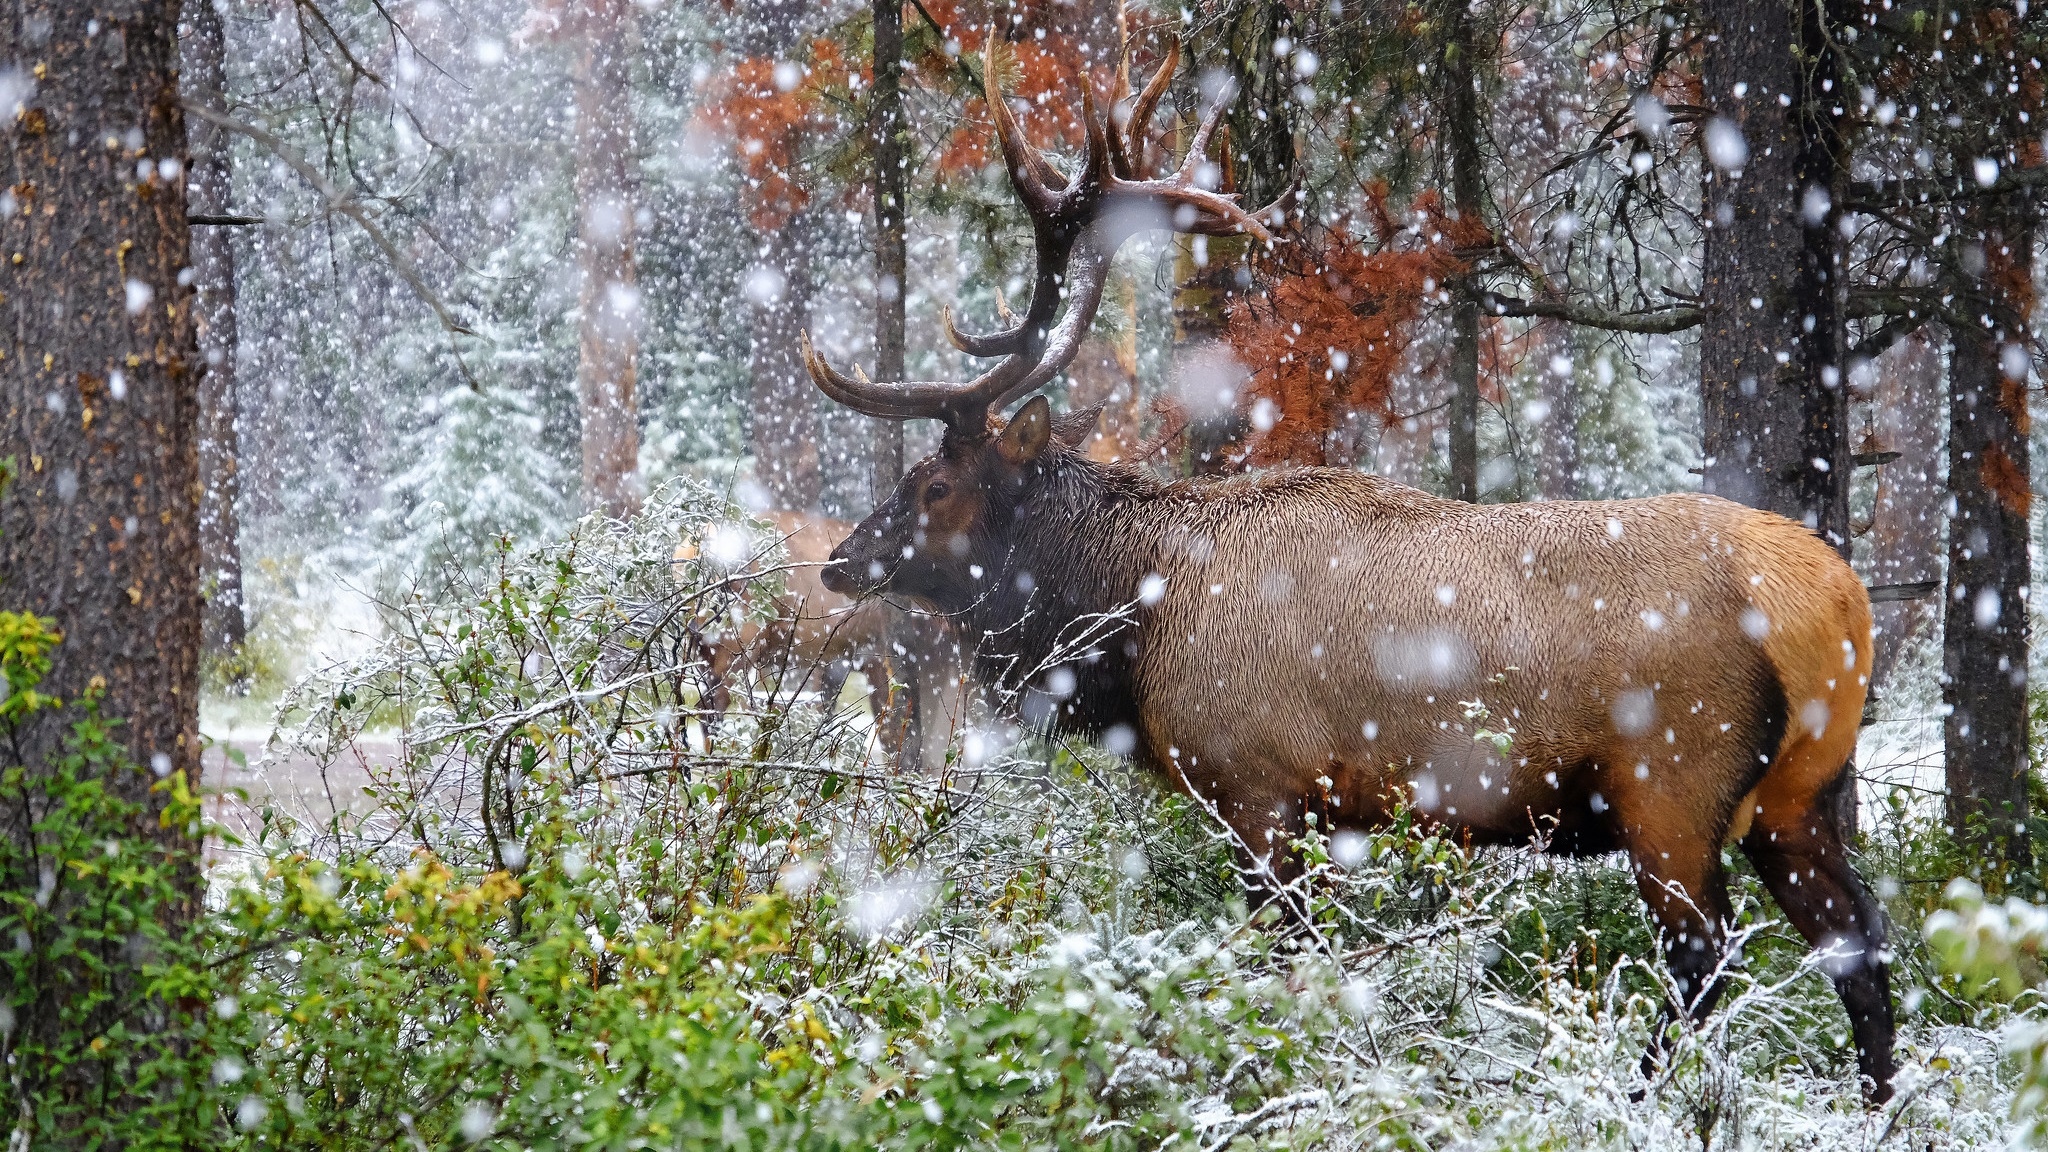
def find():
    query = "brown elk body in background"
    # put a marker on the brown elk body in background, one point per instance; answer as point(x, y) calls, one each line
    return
point(1673, 673)
point(813, 628)
point(821, 636)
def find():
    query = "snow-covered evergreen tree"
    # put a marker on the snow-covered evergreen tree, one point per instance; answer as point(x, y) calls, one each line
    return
point(475, 475)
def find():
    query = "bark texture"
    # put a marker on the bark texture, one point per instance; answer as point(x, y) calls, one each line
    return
point(1461, 132)
point(1772, 403)
point(1906, 519)
point(1773, 400)
point(885, 123)
point(1985, 628)
point(100, 528)
point(209, 190)
point(609, 332)
point(1255, 150)
point(907, 642)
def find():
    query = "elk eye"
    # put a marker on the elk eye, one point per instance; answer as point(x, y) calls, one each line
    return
point(939, 490)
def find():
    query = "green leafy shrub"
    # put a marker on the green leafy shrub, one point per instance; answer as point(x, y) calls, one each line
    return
point(99, 970)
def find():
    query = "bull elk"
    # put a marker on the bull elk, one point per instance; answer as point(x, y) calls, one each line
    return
point(1677, 672)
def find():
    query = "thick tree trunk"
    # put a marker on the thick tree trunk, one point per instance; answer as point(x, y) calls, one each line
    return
point(1255, 150)
point(99, 528)
point(209, 191)
point(1906, 518)
point(1769, 344)
point(1985, 628)
point(1461, 130)
point(1774, 408)
point(609, 303)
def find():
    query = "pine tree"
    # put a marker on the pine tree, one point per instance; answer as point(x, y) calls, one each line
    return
point(99, 517)
point(476, 478)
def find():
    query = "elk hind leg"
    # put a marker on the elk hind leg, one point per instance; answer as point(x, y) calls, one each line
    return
point(1802, 862)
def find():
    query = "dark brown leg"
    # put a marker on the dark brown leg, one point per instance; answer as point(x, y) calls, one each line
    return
point(1680, 879)
point(1803, 864)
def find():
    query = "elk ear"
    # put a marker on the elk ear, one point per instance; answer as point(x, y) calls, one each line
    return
point(1072, 429)
point(1027, 433)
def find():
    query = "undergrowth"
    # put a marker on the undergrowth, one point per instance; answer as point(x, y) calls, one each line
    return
point(589, 910)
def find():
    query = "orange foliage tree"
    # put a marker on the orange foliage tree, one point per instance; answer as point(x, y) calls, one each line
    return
point(1323, 341)
point(1052, 48)
point(766, 107)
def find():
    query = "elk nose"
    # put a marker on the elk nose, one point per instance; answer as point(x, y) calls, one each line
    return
point(835, 578)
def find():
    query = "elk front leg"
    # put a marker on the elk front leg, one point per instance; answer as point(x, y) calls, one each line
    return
point(1680, 878)
point(1265, 824)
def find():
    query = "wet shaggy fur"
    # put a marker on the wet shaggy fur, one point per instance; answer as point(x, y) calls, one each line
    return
point(1672, 672)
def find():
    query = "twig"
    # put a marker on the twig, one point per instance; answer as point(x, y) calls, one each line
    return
point(349, 206)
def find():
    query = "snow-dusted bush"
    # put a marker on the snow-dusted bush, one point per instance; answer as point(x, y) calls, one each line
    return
point(588, 909)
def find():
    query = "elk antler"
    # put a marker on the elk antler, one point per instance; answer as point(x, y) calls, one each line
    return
point(1077, 224)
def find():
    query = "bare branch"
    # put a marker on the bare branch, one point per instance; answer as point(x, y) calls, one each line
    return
point(1654, 321)
point(338, 201)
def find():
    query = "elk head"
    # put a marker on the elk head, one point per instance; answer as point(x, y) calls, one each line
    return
point(947, 521)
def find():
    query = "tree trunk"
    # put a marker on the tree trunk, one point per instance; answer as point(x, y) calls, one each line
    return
point(1774, 410)
point(99, 528)
point(783, 422)
point(1557, 459)
point(1260, 147)
point(885, 122)
point(209, 191)
point(905, 725)
point(1255, 151)
point(1207, 379)
point(1906, 517)
point(785, 418)
point(1769, 347)
point(1461, 129)
point(609, 302)
point(1985, 629)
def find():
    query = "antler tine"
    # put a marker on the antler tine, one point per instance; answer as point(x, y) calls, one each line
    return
point(1033, 175)
point(906, 401)
point(1087, 276)
point(1148, 102)
point(1077, 225)
point(979, 344)
point(1198, 149)
point(1121, 161)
